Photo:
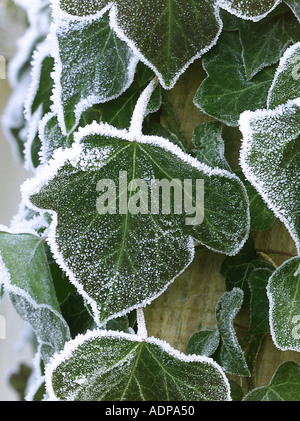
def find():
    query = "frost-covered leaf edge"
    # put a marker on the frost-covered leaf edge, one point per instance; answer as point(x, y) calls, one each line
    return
point(5, 281)
point(72, 345)
point(62, 18)
point(48, 171)
point(244, 125)
point(114, 25)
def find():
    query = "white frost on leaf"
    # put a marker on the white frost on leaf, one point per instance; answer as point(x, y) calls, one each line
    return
point(77, 157)
point(267, 135)
point(99, 88)
point(286, 83)
point(246, 9)
point(73, 345)
point(284, 305)
point(118, 23)
point(39, 309)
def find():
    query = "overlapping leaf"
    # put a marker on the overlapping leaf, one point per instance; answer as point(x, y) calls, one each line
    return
point(259, 304)
point(284, 297)
point(270, 159)
point(125, 259)
point(237, 269)
point(286, 84)
point(295, 6)
point(284, 386)
point(166, 35)
point(139, 370)
point(26, 278)
point(92, 65)
point(230, 354)
point(264, 42)
point(226, 92)
point(249, 9)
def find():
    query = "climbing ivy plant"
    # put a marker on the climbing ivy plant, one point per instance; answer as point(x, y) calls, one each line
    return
point(89, 249)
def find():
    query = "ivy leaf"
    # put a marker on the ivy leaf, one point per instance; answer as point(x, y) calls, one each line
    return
point(204, 342)
point(226, 92)
point(270, 160)
point(295, 7)
point(284, 385)
point(166, 36)
point(26, 279)
point(40, 90)
point(207, 138)
point(118, 112)
point(286, 84)
point(139, 370)
point(264, 42)
point(92, 65)
point(259, 305)
point(284, 296)
point(237, 269)
point(76, 314)
point(230, 355)
point(249, 9)
point(262, 218)
point(125, 257)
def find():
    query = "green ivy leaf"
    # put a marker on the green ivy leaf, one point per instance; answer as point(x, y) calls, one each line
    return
point(167, 36)
point(124, 259)
point(249, 9)
point(92, 65)
point(137, 370)
point(286, 84)
point(207, 138)
point(284, 385)
point(295, 7)
point(259, 304)
point(226, 92)
point(76, 314)
point(26, 278)
point(237, 269)
point(270, 160)
point(118, 112)
point(264, 42)
point(284, 297)
point(262, 218)
point(204, 342)
point(230, 354)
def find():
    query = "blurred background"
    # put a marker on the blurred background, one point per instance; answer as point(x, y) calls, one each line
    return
point(12, 174)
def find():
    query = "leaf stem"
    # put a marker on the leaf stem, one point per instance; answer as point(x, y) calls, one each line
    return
point(281, 253)
point(140, 108)
point(141, 324)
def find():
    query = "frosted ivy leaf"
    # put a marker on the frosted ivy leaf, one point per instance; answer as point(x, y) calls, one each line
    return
point(226, 92)
point(92, 65)
point(259, 314)
point(26, 279)
point(264, 42)
point(284, 297)
point(295, 6)
point(207, 138)
point(110, 366)
point(230, 354)
point(284, 386)
point(167, 36)
point(124, 258)
point(286, 84)
point(270, 160)
point(249, 9)
point(204, 342)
